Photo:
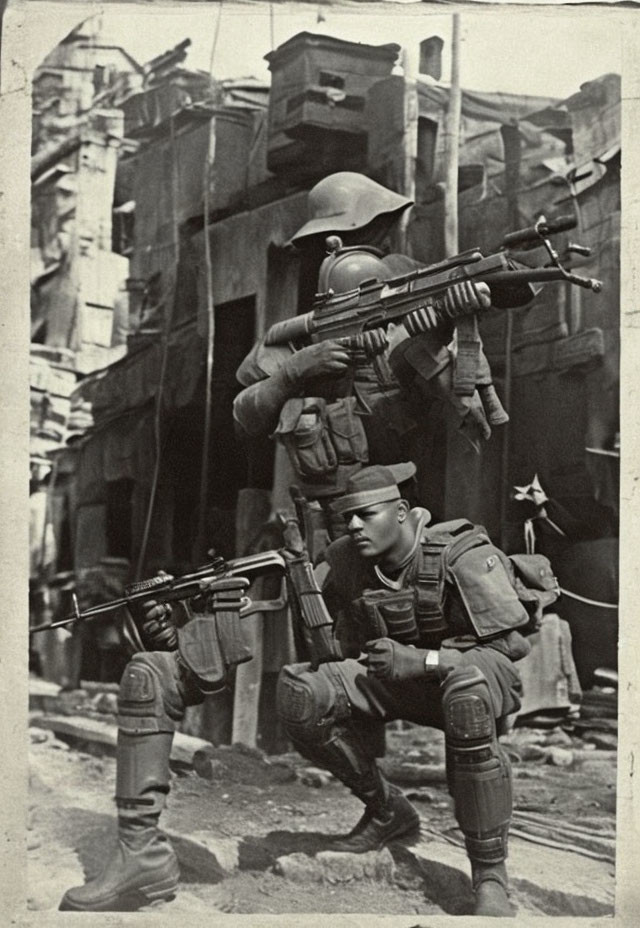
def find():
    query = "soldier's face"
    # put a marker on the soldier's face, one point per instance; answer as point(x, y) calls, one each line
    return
point(376, 529)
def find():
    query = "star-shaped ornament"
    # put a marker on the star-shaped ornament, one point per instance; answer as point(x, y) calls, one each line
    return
point(532, 493)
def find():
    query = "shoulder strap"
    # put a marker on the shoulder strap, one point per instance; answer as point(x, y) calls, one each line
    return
point(441, 545)
point(431, 574)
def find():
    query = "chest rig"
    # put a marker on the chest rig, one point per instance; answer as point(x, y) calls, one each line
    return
point(416, 613)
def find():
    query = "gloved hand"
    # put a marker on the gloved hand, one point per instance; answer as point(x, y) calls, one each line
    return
point(466, 297)
point(328, 357)
point(155, 622)
point(390, 660)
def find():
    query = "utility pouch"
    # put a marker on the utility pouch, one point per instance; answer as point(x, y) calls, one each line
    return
point(211, 644)
point(535, 584)
point(389, 614)
point(481, 576)
point(347, 431)
point(199, 648)
point(303, 430)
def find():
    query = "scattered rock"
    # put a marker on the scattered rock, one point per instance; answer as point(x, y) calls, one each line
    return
point(39, 735)
point(334, 867)
point(520, 736)
point(558, 737)
point(560, 757)
point(206, 765)
point(421, 795)
point(224, 850)
point(603, 740)
point(535, 753)
point(59, 745)
point(407, 772)
point(314, 776)
point(106, 703)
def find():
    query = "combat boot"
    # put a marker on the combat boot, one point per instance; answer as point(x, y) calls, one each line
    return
point(490, 887)
point(383, 821)
point(143, 867)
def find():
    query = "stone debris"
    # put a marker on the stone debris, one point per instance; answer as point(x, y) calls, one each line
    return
point(223, 851)
point(560, 757)
point(421, 795)
point(314, 776)
point(39, 735)
point(105, 703)
point(408, 772)
point(604, 741)
point(334, 867)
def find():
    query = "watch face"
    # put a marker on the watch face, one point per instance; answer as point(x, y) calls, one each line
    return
point(432, 660)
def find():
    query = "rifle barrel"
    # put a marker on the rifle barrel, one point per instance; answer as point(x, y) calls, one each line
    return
point(540, 275)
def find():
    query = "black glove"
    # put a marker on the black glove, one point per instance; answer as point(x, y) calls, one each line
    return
point(324, 358)
point(390, 660)
point(155, 623)
point(466, 297)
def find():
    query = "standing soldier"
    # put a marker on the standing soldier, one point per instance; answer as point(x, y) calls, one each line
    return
point(432, 618)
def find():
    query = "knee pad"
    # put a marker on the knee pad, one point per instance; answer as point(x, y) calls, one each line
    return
point(141, 700)
point(305, 701)
point(479, 771)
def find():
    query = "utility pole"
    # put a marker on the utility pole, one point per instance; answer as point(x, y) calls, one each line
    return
point(452, 146)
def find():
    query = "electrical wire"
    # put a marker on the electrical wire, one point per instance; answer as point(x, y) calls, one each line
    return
point(211, 320)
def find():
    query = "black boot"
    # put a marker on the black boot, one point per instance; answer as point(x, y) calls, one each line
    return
point(143, 867)
point(384, 820)
point(491, 890)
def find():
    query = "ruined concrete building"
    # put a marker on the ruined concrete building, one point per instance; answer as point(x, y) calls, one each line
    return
point(156, 188)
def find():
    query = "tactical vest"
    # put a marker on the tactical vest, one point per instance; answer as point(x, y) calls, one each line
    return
point(459, 584)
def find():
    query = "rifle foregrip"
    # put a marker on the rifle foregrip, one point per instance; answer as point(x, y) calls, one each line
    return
point(424, 319)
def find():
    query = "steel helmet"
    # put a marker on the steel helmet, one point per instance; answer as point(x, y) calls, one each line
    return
point(346, 201)
point(346, 268)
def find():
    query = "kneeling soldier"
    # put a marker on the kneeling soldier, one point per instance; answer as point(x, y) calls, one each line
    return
point(433, 616)
point(155, 690)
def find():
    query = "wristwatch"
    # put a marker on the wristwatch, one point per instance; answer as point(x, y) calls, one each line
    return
point(431, 662)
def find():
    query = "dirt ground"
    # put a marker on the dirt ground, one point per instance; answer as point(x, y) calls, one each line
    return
point(250, 830)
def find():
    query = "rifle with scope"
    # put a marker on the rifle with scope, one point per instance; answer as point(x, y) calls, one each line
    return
point(358, 317)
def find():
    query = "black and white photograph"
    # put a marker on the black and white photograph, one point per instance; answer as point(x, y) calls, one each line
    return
point(318, 357)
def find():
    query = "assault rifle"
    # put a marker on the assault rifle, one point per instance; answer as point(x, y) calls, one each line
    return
point(225, 582)
point(360, 316)
point(165, 588)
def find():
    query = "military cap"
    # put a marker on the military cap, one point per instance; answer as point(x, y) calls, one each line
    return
point(371, 485)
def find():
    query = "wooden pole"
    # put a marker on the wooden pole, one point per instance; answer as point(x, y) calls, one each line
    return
point(452, 145)
point(409, 149)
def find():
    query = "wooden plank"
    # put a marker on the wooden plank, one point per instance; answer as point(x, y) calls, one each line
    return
point(248, 684)
point(563, 354)
point(582, 348)
point(96, 731)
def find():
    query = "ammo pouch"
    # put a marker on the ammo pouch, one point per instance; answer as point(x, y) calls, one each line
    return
point(482, 576)
point(319, 436)
point(211, 645)
point(388, 613)
point(534, 583)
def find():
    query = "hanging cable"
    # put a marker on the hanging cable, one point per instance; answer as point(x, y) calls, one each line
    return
point(199, 543)
point(166, 329)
